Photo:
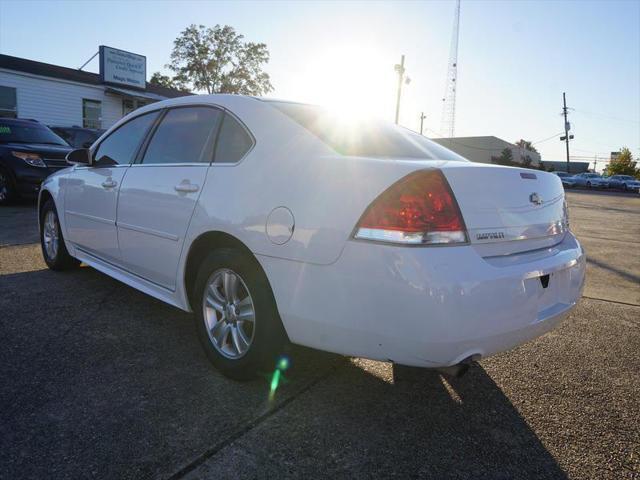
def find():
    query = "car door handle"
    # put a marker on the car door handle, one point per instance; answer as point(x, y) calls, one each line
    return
point(109, 183)
point(186, 188)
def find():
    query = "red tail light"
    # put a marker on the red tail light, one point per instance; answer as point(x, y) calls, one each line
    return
point(418, 209)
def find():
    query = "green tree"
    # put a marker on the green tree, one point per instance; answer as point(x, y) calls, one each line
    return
point(526, 144)
point(165, 81)
point(624, 164)
point(218, 60)
point(506, 156)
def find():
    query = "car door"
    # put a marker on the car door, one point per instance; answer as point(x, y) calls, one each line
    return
point(91, 193)
point(615, 182)
point(161, 189)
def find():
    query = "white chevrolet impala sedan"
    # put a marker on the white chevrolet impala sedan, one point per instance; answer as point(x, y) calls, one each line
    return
point(275, 221)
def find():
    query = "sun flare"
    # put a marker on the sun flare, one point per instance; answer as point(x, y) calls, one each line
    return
point(348, 81)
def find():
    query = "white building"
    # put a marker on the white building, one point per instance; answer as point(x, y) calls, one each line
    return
point(67, 97)
point(488, 149)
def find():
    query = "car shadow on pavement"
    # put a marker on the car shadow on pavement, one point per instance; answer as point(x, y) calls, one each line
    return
point(98, 377)
point(369, 419)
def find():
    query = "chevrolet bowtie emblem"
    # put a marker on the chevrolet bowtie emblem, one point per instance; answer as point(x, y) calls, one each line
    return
point(535, 199)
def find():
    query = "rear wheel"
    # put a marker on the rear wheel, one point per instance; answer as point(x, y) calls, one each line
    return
point(236, 317)
point(54, 250)
point(7, 188)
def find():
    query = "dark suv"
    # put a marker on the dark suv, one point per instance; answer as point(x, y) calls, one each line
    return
point(29, 152)
point(78, 137)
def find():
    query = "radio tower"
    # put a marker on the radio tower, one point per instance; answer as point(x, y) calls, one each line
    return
point(448, 124)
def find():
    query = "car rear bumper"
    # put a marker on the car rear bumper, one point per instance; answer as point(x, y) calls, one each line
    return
point(425, 306)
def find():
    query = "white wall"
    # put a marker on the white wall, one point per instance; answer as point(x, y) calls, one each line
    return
point(58, 102)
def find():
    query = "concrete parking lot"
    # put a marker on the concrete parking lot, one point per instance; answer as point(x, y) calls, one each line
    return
point(99, 380)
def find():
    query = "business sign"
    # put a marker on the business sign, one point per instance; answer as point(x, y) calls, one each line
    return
point(122, 68)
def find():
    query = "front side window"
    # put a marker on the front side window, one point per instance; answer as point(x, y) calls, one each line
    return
point(8, 103)
point(84, 138)
point(91, 113)
point(185, 135)
point(120, 146)
point(233, 141)
point(364, 138)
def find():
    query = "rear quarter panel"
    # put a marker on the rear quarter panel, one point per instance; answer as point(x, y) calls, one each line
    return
point(289, 167)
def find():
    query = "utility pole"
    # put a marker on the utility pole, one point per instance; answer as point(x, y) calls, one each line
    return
point(567, 127)
point(399, 67)
point(422, 117)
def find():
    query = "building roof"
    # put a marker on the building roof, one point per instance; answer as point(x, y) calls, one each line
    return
point(71, 74)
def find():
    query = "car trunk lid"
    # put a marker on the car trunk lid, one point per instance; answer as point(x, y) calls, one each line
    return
point(508, 210)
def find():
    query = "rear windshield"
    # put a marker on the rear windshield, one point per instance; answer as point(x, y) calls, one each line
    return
point(364, 138)
point(11, 132)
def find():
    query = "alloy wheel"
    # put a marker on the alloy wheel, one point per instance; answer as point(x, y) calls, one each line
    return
point(50, 234)
point(229, 313)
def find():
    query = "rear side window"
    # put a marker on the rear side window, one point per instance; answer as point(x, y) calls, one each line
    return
point(121, 145)
point(233, 141)
point(364, 138)
point(185, 135)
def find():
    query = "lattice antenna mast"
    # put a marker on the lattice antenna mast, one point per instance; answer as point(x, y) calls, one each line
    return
point(448, 124)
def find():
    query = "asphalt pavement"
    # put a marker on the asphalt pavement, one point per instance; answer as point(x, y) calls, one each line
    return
point(102, 381)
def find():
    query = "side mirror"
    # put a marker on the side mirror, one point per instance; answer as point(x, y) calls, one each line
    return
point(80, 156)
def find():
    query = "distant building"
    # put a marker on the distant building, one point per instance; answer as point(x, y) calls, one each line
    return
point(488, 149)
point(561, 166)
point(63, 96)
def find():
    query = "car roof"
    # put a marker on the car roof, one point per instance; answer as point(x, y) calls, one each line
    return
point(20, 121)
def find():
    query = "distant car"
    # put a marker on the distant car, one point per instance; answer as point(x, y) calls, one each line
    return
point(29, 153)
point(78, 137)
point(624, 182)
point(590, 180)
point(567, 179)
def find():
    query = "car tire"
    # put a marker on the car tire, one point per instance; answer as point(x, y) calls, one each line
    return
point(224, 321)
point(52, 243)
point(7, 188)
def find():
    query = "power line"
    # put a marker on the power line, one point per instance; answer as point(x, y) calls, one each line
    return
point(611, 117)
point(546, 139)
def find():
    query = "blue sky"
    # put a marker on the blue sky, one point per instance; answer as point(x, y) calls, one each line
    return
point(515, 59)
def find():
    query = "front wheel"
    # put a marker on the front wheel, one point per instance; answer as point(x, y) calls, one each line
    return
point(54, 250)
point(236, 316)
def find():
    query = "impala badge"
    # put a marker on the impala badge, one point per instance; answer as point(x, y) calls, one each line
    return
point(535, 199)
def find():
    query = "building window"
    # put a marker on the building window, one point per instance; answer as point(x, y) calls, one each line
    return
point(131, 104)
point(8, 104)
point(91, 113)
